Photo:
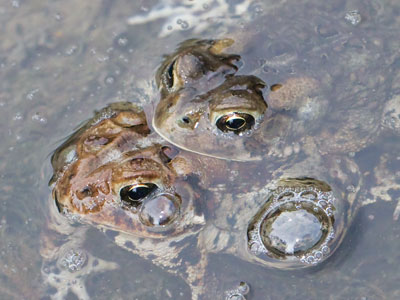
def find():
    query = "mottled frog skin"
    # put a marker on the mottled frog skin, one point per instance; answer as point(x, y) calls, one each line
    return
point(113, 174)
point(310, 95)
point(118, 176)
point(207, 108)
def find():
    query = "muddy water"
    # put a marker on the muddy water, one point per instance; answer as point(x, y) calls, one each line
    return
point(61, 60)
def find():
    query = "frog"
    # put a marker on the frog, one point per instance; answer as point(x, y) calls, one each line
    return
point(295, 219)
point(115, 175)
point(306, 91)
point(207, 108)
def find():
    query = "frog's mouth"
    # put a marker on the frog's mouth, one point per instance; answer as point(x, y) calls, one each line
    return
point(296, 225)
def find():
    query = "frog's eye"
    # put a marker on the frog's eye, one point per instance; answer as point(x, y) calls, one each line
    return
point(169, 76)
point(235, 122)
point(133, 195)
point(159, 211)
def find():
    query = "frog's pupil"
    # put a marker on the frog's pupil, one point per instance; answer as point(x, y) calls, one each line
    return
point(138, 192)
point(235, 122)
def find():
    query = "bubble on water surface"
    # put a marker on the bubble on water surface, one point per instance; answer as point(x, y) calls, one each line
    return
point(353, 17)
point(74, 260)
point(38, 117)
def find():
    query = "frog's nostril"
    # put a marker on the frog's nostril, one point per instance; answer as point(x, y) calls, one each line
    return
point(168, 153)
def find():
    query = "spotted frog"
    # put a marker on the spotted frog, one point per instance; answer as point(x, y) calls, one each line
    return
point(115, 175)
point(207, 106)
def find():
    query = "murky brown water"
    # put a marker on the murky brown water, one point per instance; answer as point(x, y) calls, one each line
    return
point(61, 60)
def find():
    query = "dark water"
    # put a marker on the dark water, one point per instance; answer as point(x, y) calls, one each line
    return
point(61, 60)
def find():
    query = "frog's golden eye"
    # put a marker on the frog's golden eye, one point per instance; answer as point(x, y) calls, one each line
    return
point(133, 195)
point(235, 122)
point(169, 76)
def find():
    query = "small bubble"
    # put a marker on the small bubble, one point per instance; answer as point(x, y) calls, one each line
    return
point(179, 21)
point(310, 259)
point(243, 288)
point(351, 188)
point(18, 116)
point(206, 6)
point(169, 27)
point(352, 154)
point(71, 50)
point(122, 41)
point(371, 217)
point(31, 94)
point(236, 297)
point(74, 260)
point(37, 117)
point(184, 25)
point(325, 249)
point(109, 80)
point(58, 17)
point(318, 255)
point(255, 248)
point(353, 17)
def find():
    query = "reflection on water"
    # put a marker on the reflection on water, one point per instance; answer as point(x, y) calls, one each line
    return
point(59, 61)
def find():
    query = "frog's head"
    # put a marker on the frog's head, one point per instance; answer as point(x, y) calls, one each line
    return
point(300, 224)
point(111, 173)
point(217, 122)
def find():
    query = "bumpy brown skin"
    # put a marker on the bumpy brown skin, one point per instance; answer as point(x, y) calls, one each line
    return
point(113, 150)
point(198, 86)
point(195, 92)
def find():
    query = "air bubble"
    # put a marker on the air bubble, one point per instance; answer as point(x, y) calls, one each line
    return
point(122, 41)
point(109, 80)
point(256, 248)
point(353, 17)
point(74, 260)
point(31, 94)
point(325, 249)
point(71, 50)
point(18, 116)
point(58, 17)
point(184, 25)
point(37, 117)
point(318, 255)
point(236, 297)
point(243, 288)
point(310, 259)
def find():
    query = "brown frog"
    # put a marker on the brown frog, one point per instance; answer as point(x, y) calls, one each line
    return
point(310, 95)
point(115, 175)
point(205, 107)
point(296, 219)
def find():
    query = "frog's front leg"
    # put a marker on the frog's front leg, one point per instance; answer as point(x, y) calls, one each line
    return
point(66, 264)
